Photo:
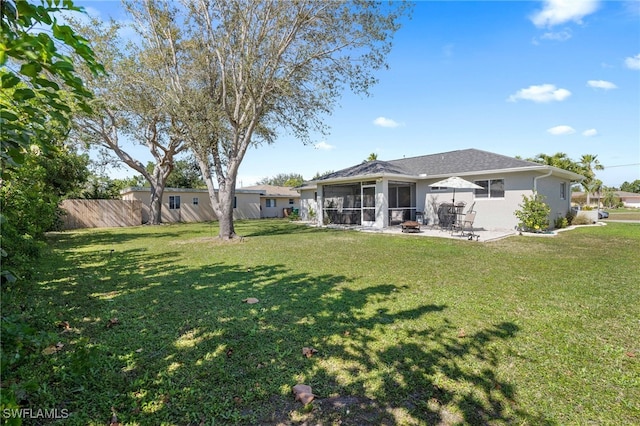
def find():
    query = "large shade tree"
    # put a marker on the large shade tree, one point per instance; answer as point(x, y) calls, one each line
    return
point(129, 111)
point(238, 72)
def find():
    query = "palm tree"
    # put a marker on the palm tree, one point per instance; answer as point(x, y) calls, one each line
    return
point(589, 164)
point(372, 157)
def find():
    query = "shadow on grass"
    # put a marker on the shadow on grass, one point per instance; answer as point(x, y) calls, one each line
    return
point(160, 343)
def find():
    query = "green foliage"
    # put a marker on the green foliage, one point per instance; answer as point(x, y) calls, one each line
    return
point(631, 186)
point(283, 179)
point(561, 222)
point(45, 86)
point(29, 200)
point(534, 215)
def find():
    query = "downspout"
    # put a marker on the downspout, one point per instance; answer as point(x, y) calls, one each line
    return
point(535, 180)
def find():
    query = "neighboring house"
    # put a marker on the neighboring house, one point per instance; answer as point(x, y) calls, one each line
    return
point(275, 200)
point(193, 205)
point(378, 194)
point(628, 199)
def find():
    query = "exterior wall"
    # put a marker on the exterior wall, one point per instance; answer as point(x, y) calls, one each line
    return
point(247, 205)
point(281, 204)
point(549, 188)
point(101, 213)
point(308, 205)
point(498, 213)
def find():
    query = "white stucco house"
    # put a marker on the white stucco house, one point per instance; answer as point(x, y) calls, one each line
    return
point(379, 194)
point(276, 200)
point(193, 205)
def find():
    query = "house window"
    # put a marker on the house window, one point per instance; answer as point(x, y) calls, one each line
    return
point(491, 188)
point(563, 191)
point(438, 188)
point(174, 202)
point(235, 202)
point(290, 201)
point(270, 202)
point(195, 201)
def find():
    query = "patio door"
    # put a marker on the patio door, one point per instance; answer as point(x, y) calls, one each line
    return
point(368, 205)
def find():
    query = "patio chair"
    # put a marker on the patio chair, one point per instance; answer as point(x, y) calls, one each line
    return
point(466, 226)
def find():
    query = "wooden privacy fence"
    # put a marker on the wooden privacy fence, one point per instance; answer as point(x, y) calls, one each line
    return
point(101, 213)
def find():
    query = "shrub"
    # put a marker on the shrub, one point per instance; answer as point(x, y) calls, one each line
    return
point(534, 215)
point(561, 222)
point(570, 216)
point(581, 219)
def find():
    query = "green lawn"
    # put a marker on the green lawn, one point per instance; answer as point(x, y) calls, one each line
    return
point(152, 326)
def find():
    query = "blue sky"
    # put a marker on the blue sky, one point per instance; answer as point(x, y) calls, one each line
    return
point(511, 77)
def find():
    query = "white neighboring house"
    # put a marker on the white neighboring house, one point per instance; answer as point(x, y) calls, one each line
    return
point(193, 205)
point(628, 199)
point(276, 201)
point(379, 194)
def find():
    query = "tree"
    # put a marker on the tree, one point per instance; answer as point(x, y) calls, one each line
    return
point(33, 68)
point(589, 164)
point(283, 179)
point(559, 160)
point(372, 157)
point(128, 106)
point(240, 71)
point(631, 187)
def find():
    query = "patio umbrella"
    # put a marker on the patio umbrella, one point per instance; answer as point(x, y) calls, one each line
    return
point(455, 183)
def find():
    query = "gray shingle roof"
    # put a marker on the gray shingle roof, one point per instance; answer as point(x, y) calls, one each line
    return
point(445, 163)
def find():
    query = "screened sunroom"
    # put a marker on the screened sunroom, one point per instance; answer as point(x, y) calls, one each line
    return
point(367, 202)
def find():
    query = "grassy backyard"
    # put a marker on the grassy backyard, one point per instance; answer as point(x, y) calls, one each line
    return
point(149, 324)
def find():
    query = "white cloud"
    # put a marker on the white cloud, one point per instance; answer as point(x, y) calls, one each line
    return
point(601, 84)
point(541, 93)
point(556, 12)
point(589, 133)
point(633, 62)
point(385, 122)
point(561, 130)
point(558, 36)
point(324, 146)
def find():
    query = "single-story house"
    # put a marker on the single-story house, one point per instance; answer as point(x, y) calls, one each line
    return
point(276, 201)
point(378, 194)
point(193, 205)
point(628, 199)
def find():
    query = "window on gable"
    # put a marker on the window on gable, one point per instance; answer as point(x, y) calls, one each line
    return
point(174, 202)
point(491, 188)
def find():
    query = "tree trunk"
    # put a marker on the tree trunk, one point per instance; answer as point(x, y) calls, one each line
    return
point(155, 205)
point(226, 196)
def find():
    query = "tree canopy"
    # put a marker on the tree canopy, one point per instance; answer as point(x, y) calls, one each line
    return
point(40, 85)
point(237, 73)
point(283, 179)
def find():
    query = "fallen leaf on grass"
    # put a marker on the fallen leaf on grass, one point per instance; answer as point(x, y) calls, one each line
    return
point(64, 325)
point(631, 354)
point(309, 351)
point(250, 300)
point(462, 333)
point(112, 322)
point(303, 393)
point(229, 352)
point(50, 350)
point(114, 418)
